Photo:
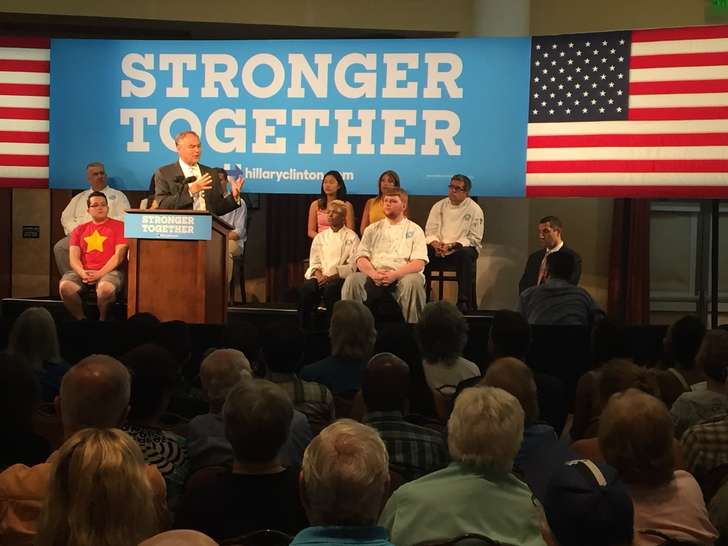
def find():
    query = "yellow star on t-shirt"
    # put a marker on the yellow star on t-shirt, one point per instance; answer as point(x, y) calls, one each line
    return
point(95, 241)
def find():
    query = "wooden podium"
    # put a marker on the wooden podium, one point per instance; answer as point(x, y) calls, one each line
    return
point(177, 265)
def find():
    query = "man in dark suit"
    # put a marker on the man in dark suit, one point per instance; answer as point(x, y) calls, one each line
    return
point(549, 232)
point(186, 184)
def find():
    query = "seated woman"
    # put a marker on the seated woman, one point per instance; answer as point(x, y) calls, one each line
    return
point(332, 188)
point(636, 437)
point(19, 390)
point(154, 378)
point(373, 211)
point(34, 337)
point(98, 494)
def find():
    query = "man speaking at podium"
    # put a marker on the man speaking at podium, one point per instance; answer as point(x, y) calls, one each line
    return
point(186, 184)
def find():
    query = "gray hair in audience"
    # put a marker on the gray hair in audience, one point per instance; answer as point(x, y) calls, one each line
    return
point(513, 376)
point(352, 330)
point(345, 475)
point(34, 337)
point(486, 427)
point(258, 416)
point(95, 394)
point(221, 371)
point(442, 331)
point(94, 164)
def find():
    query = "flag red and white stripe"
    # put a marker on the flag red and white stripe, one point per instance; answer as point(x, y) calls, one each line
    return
point(24, 109)
point(674, 141)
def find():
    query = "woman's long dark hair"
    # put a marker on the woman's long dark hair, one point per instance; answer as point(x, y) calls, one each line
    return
point(394, 176)
point(340, 193)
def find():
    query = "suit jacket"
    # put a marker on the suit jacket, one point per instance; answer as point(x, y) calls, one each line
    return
point(171, 192)
point(530, 275)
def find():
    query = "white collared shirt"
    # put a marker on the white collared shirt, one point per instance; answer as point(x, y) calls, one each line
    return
point(198, 199)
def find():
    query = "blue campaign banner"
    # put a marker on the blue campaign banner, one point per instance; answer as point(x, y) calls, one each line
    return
point(285, 112)
point(194, 227)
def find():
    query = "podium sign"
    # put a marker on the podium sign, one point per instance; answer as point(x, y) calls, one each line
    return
point(192, 227)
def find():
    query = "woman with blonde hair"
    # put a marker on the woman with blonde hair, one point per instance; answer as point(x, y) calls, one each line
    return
point(99, 493)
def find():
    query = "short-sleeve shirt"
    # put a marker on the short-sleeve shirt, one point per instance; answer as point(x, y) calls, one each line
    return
point(98, 242)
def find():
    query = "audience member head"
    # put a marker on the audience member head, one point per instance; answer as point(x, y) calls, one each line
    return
point(34, 337)
point(442, 331)
point(352, 330)
point(94, 393)
point(220, 372)
point(587, 503)
point(619, 375)
point(332, 183)
point(179, 537)
point(385, 383)
point(683, 341)
point(560, 265)
point(486, 428)
point(550, 231)
point(345, 475)
point(712, 356)
point(19, 393)
point(636, 436)
point(387, 180)
point(174, 336)
point(257, 416)
point(510, 335)
point(98, 494)
point(154, 376)
point(139, 329)
point(514, 377)
point(282, 346)
point(400, 340)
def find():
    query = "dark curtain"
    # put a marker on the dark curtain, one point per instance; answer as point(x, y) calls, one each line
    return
point(287, 245)
point(629, 266)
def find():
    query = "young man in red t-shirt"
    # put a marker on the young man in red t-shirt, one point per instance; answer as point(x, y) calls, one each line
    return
point(97, 250)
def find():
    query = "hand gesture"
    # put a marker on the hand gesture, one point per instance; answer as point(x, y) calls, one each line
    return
point(236, 186)
point(200, 184)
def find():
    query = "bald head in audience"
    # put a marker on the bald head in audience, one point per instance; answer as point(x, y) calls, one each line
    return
point(94, 393)
point(385, 383)
point(345, 475)
point(513, 376)
point(220, 372)
point(179, 537)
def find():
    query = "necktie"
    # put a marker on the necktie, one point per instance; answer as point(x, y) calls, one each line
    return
point(542, 268)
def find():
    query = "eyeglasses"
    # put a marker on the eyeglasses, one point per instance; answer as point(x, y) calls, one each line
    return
point(456, 188)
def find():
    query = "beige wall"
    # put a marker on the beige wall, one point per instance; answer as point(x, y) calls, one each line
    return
point(433, 15)
point(30, 259)
point(566, 16)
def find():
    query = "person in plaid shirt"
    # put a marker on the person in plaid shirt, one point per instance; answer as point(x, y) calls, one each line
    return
point(413, 450)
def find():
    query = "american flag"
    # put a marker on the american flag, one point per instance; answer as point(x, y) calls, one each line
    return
point(629, 114)
point(24, 105)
